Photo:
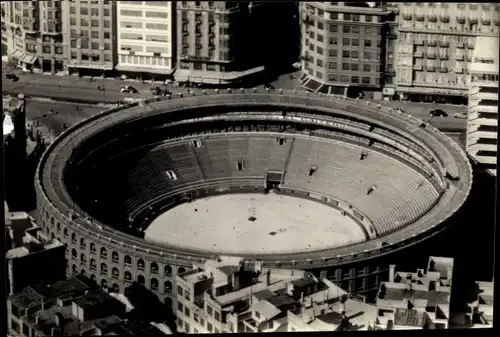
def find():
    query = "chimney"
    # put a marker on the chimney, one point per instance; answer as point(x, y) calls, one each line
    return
point(236, 281)
point(268, 277)
point(392, 272)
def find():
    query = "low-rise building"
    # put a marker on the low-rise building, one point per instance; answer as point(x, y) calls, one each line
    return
point(481, 314)
point(418, 300)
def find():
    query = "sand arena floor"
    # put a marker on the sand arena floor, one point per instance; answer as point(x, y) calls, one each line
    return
point(254, 224)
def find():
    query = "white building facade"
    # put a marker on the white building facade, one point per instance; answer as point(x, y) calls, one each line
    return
point(144, 34)
point(482, 126)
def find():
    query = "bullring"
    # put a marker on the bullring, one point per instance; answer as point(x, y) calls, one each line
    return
point(103, 181)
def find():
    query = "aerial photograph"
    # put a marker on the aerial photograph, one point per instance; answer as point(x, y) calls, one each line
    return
point(183, 167)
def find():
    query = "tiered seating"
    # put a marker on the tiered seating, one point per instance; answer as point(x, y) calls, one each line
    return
point(400, 197)
point(149, 178)
point(218, 157)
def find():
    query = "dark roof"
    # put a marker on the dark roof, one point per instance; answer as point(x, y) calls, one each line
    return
point(229, 270)
point(104, 324)
point(132, 328)
point(72, 286)
point(280, 301)
point(303, 282)
point(264, 294)
point(409, 317)
point(93, 298)
point(433, 297)
point(26, 298)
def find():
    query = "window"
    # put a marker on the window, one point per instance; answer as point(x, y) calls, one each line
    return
point(346, 54)
point(107, 35)
point(332, 65)
point(354, 66)
point(94, 11)
point(334, 28)
point(130, 24)
point(217, 316)
point(46, 49)
point(240, 166)
point(368, 18)
point(365, 80)
point(355, 17)
point(319, 50)
point(332, 52)
point(346, 29)
point(210, 328)
point(355, 29)
point(354, 54)
point(368, 43)
point(127, 12)
point(368, 30)
point(368, 56)
point(171, 175)
point(180, 307)
point(345, 66)
point(355, 42)
point(187, 312)
point(367, 67)
point(179, 291)
point(72, 10)
point(209, 310)
point(334, 16)
point(319, 63)
point(320, 38)
point(344, 78)
point(84, 11)
point(332, 77)
point(159, 15)
point(333, 40)
point(347, 16)
point(355, 79)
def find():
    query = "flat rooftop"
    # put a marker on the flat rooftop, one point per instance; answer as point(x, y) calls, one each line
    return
point(31, 248)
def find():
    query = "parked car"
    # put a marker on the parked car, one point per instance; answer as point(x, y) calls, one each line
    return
point(460, 115)
point(157, 91)
point(438, 113)
point(128, 89)
point(269, 86)
point(11, 76)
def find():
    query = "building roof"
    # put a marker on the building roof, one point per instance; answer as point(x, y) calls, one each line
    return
point(432, 298)
point(264, 294)
point(229, 270)
point(485, 48)
point(8, 125)
point(26, 298)
point(31, 248)
point(70, 287)
point(266, 309)
point(95, 297)
point(409, 317)
point(303, 282)
point(281, 300)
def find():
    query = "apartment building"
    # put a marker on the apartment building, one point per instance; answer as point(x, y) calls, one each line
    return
point(145, 33)
point(90, 36)
point(344, 47)
point(418, 300)
point(220, 43)
point(435, 48)
point(482, 123)
point(32, 35)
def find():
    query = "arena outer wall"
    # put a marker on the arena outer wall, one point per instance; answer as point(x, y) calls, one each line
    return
point(359, 267)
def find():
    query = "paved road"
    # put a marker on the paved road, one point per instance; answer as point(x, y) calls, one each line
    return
point(39, 85)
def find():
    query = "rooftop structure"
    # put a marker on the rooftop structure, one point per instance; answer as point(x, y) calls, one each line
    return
point(482, 307)
point(427, 291)
point(482, 125)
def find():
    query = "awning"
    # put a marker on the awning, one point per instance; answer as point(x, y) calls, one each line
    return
point(28, 58)
point(17, 54)
point(213, 77)
point(163, 71)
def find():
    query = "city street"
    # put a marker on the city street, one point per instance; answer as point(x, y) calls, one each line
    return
point(70, 87)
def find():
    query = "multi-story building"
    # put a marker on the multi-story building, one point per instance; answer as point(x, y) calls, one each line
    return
point(481, 309)
point(344, 47)
point(32, 34)
point(220, 42)
point(418, 300)
point(90, 36)
point(145, 37)
point(482, 125)
point(435, 46)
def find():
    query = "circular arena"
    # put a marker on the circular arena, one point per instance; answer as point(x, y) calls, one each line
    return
point(295, 180)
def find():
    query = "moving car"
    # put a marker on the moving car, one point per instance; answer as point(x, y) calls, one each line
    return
point(438, 113)
point(128, 89)
point(460, 115)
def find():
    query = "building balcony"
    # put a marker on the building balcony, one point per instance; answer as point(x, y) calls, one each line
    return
point(473, 20)
point(430, 68)
point(461, 19)
point(417, 67)
point(459, 45)
point(430, 55)
point(443, 56)
point(432, 18)
point(486, 21)
point(444, 43)
point(443, 69)
point(420, 17)
point(444, 18)
point(418, 54)
point(432, 43)
point(407, 16)
point(459, 57)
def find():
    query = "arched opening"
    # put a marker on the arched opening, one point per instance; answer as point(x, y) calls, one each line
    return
point(128, 276)
point(104, 268)
point(104, 253)
point(154, 268)
point(104, 283)
point(115, 257)
point(116, 288)
point(181, 270)
point(140, 264)
point(127, 260)
point(115, 274)
point(154, 284)
point(168, 270)
point(141, 280)
point(167, 286)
